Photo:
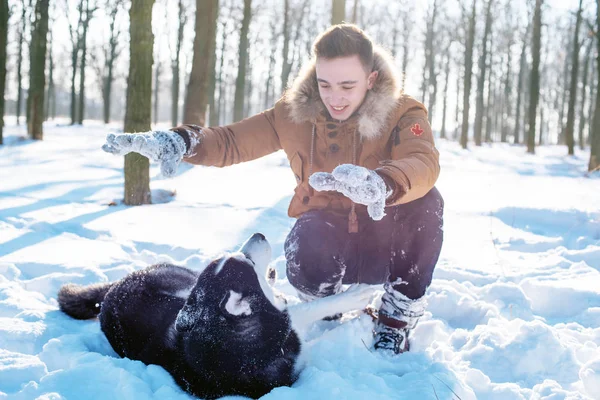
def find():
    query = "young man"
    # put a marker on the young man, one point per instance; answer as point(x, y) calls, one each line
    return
point(365, 164)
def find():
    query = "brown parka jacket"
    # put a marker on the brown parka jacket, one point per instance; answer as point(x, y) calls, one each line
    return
point(389, 133)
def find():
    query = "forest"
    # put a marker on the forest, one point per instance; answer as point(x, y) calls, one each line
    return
point(523, 72)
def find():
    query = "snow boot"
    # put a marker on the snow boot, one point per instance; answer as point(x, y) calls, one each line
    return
point(397, 316)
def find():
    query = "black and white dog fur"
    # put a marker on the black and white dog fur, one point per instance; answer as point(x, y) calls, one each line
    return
point(218, 332)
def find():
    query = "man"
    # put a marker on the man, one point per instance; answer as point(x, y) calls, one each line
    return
point(365, 163)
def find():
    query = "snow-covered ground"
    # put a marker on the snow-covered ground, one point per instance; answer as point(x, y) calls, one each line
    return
point(514, 307)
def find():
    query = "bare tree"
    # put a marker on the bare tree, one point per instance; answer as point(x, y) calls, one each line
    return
point(175, 59)
point(338, 11)
point(506, 108)
point(445, 99)
point(139, 99)
point(207, 13)
point(491, 104)
point(297, 29)
point(75, 36)
point(21, 41)
point(429, 84)
point(355, 12)
point(479, 111)
point(534, 93)
point(561, 94)
point(593, 85)
point(88, 13)
point(467, 78)
point(267, 102)
point(584, 82)
point(50, 97)
point(594, 163)
point(220, 77)
point(520, 80)
point(112, 51)
point(573, 90)
point(407, 24)
point(240, 83)
point(37, 73)
point(4, 17)
point(285, 64)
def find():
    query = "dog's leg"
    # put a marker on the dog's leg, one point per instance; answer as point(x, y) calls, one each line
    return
point(355, 298)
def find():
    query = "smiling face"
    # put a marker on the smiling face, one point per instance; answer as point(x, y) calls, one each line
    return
point(343, 84)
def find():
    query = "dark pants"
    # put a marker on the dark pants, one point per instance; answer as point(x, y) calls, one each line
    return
point(402, 248)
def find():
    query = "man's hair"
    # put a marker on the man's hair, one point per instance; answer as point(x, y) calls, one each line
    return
point(345, 40)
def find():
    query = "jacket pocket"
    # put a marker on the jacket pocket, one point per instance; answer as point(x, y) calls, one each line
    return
point(296, 165)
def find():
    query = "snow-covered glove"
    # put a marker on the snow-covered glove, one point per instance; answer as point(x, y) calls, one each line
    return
point(165, 147)
point(359, 184)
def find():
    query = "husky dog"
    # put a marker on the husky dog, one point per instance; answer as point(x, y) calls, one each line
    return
point(219, 332)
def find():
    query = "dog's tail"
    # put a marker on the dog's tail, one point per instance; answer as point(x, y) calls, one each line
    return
point(82, 302)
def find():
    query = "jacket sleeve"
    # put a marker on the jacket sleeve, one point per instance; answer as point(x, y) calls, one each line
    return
point(413, 167)
point(247, 140)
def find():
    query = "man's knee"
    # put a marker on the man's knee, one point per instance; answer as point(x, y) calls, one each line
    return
point(312, 254)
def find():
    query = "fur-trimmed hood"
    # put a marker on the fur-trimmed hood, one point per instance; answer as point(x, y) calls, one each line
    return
point(305, 105)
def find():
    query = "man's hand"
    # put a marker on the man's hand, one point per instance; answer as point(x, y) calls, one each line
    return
point(359, 184)
point(166, 147)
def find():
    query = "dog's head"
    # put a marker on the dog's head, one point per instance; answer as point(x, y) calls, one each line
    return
point(230, 323)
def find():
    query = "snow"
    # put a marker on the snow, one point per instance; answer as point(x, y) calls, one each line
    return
point(513, 311)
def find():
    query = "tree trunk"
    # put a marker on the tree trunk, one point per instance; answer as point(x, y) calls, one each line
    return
point(479, 111)
point(338, 11)
point(175, 59)
point(457, 109)
point(50, 93)
point(585, 73)
point(207, 13)
point(432, 86)
point(445, 101)
point(594, 163)
point(4, 16)
point(520, 84)
point(489, 106)
point(21, 39)
point(85, 25)
point(355, 12)
point(570, 136)
point(534, 92)
point(506, 101)
point(562, 95)
point(240, 82)
point(139, 99)
point(285, 64)
point(271, 68)
point(406, 34)
point(219, 81)
point(74, 58)
point(592, 105)
point(212, 81)
point(76, 43)
point(37, 73)
point(112, 55)
point(156, 89)
point(467, 85)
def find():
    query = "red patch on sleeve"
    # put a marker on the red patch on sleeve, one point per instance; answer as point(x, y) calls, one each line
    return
point(416, 130)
